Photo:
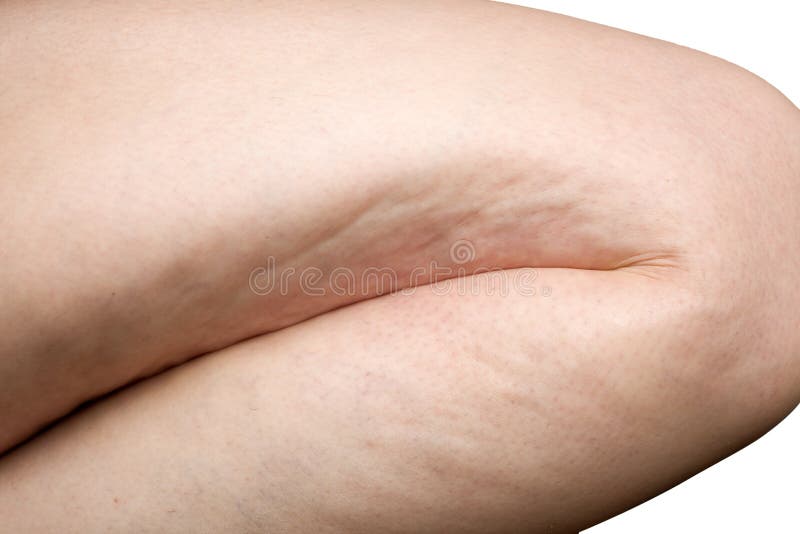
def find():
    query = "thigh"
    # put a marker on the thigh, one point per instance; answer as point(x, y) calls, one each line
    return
point(471, 409)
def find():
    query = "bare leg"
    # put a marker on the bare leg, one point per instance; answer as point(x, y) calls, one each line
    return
point(423, 413)
point(151, 157)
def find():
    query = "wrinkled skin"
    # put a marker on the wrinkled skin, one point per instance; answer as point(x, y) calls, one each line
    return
point(153, 157)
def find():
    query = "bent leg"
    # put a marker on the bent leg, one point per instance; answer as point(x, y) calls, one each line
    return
point(448, 410)
point(153, 157)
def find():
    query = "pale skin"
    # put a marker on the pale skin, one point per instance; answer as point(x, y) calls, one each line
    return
point(153, 155)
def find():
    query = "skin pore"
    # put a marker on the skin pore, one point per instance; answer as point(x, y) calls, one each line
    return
point(419, 413)
point(192, 160)
point(171, 190)
point(154, 156)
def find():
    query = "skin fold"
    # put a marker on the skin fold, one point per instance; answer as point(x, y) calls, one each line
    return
point(154, 157)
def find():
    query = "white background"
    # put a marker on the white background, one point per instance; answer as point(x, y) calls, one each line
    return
point(756, 491)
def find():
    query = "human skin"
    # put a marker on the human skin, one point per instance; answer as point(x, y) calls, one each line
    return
point(153, 156)
point(430, 412)
point(205, 137)
point(652, 187)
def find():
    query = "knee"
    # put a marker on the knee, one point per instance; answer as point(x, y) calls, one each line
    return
point(746, 234)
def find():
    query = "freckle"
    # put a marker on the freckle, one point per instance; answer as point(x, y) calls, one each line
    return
point(171, 511)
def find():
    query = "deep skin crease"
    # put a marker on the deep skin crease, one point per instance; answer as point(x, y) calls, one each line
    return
point(153, 156)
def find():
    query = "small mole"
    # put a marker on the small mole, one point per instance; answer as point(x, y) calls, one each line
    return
point(116, 500)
